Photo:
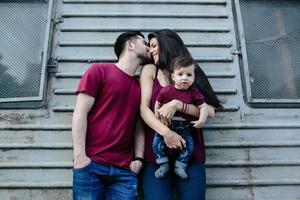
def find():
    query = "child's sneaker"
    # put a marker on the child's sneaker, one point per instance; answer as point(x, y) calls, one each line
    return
point(161, 171)
point(180, 172)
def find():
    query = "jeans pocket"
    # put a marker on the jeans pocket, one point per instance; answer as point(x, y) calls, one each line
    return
point(133, 173)
point(83, 168)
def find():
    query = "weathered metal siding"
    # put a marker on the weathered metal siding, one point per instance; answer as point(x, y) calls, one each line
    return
point(251, 153)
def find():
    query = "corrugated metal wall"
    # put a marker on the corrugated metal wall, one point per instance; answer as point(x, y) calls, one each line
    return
point(251, 153)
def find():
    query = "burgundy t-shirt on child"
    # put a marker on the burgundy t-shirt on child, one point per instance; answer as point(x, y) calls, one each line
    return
point(189, 96)
point(112, 119)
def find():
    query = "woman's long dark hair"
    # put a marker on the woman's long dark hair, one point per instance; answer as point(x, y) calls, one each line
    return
point(171, 46)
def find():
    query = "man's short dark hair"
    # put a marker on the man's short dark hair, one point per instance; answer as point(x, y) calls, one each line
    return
point(123, 38)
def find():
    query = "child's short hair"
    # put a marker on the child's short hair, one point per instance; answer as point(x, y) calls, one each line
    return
point(181, 61)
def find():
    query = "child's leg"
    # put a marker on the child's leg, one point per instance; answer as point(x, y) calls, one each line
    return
point(160, 151)
point(184, 156)
point(162, 170)
point(179, 170)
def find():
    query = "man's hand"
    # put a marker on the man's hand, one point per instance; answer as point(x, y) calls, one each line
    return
point(167, 111)
point(81, 161)
point(174, 141)
point(136, 166)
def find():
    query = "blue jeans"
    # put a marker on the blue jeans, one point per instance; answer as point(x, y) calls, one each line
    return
point(192, 188)
point(160, 150)
point(96, 182)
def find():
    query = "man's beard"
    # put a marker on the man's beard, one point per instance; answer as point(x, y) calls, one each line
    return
point(145, 59)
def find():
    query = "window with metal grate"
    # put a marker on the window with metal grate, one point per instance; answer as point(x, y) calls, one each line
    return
point(24, 38)
point(269, 33)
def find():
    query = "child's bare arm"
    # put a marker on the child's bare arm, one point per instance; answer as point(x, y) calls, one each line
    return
point(156, 107)
point(203, 116)
point(203, 112)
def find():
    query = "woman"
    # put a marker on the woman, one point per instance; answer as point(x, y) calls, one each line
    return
point(165, 45)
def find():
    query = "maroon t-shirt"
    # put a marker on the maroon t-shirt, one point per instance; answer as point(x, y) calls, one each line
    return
point(112, 118)
point(199, 149)
point(189, 96)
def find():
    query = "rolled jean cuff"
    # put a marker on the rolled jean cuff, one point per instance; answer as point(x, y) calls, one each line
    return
point(162, 160)
point(179, 164)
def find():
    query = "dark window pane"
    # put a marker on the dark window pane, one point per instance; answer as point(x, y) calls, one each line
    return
point(22, 39)
point(272, 34)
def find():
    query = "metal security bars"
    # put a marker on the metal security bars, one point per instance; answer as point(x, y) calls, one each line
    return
point(269, 33)
point(24, 37)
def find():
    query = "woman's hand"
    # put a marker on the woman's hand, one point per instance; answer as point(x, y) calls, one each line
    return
point(174, 141)
point(198, 123)
point(167, 111)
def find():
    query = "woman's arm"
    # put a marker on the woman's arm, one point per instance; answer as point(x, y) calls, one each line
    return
point(195, 111)
point(167, 111)
point(172, 139)
point(211, 111)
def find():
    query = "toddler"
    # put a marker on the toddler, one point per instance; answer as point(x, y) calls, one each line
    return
point(183, 75)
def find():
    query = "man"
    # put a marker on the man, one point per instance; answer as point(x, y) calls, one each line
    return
point(108, 143)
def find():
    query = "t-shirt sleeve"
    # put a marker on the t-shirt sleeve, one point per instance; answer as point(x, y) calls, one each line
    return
point(162, 95)
point(197, 97)
point(90, 82)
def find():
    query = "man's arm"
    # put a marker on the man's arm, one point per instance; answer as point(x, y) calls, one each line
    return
point(83, 105)
point(139, 147)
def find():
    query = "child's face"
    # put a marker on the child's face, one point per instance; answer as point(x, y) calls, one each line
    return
point(184, 77)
